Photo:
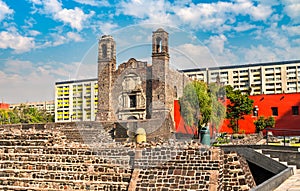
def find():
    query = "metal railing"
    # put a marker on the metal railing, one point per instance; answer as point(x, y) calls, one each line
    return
point(280, 132)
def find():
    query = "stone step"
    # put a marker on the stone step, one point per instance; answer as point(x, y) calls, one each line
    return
point(258, 150)
point(294, 167)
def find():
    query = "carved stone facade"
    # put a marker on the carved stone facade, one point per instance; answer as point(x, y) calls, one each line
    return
point(137, 90)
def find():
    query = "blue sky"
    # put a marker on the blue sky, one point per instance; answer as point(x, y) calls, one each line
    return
point(43, 41)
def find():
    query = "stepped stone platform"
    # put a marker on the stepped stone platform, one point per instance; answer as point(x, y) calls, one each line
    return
point(85, 157)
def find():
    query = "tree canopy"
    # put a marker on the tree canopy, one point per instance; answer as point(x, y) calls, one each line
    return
point(195, 104)
point(25, 114)
point(261, 123)
point(217, 93)
point(239, 106)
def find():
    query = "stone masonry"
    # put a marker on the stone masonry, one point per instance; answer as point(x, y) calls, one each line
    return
point(45, 159)
point(136, 90)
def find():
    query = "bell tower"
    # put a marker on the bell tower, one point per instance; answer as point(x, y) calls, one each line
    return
point(106, 73)
point(160, 67)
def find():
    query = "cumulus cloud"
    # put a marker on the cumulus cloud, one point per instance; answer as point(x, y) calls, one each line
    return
point(34, 81)
point(188, 56)
point(292, 9)
point(212, 16)
point(292, 30)
point(4, 10)
point(157, 11)
point(241, 27)
point(16, 42)
point(76, 18)
point(59, 39)
point(93, 2)
point(106, 27)
point(221, 54)
point(216, 43)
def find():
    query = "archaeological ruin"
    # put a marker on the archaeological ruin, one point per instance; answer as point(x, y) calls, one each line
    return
point(83, 156)
point(131, 145)
point(137, 90)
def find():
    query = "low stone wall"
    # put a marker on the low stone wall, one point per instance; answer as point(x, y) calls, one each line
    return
point(41, 160)
point(48, 158)
point(249, 139)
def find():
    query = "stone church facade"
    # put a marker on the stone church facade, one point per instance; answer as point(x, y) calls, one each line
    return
point(137, 90)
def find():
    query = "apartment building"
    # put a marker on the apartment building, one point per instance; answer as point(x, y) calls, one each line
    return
point(76, 100)
point(41, 105)
point(260, 78)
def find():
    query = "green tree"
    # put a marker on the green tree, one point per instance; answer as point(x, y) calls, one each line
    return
point(239, 106)
point(195, 104)
point(261, 123)
point(25, 114)
point(218, 113)
point(4, 117)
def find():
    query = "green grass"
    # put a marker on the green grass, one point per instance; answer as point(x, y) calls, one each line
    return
point(295, 144)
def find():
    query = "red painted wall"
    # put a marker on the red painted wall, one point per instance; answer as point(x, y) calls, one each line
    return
point(4, 106)
point(284, 120)
point(180, 126)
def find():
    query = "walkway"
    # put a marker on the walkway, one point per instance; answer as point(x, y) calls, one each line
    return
point(291, 184)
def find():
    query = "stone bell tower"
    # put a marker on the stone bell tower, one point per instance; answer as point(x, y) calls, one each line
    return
point(160, 67)
point(106, 73)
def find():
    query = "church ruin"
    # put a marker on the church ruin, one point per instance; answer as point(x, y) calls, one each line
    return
point(137, 90)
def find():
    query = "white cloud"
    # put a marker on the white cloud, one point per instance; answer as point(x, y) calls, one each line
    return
point(191, 56)
point(4, 10)
point(37, 2)
point(213, 15)
point(93, 2)
point(241, 27)
point(260, 12)
point(276, 36)
point(33, 32)
point(292, 30)
point(216, 44)
point(17, 66)
point(105, 27)
point(59, 39)
point(74, 36)
point(297, 41)
point(221, 54)
point(76, 18)
point(35, 81)
point(150, 11)
point(256, 54)
point(16, 42)
point(292, 9)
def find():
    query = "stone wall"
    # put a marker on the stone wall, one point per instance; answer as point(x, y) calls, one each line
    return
point(45, 160)
point(237, 175)
point(48, 160)
point(249, 139)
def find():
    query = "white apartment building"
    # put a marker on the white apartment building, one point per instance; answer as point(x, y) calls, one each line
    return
point(41, 105)
point(263, 78)
point(76, 100)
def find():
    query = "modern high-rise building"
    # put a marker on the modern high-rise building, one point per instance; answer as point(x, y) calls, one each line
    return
point(260, 78)
point(76, 100)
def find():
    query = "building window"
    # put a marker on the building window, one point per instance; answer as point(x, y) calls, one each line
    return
point(295, 110)
point(274, 111)
point(132, 99)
